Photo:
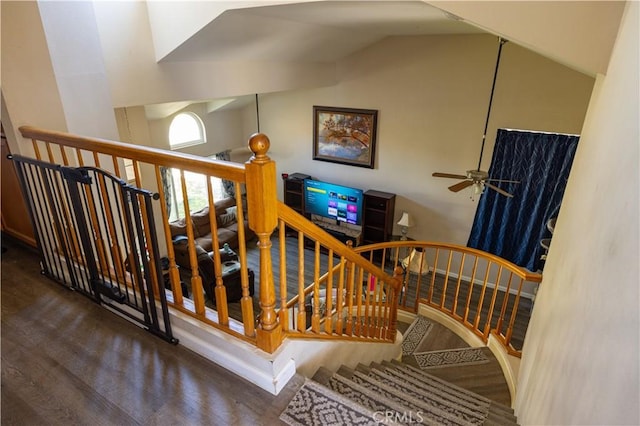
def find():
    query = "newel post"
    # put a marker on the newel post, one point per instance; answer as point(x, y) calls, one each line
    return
point(263, 219)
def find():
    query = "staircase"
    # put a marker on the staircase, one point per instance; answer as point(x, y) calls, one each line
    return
point(390, 393)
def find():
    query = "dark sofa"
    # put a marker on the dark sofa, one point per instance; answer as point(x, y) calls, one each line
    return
point(227, 223)
point(227, 226)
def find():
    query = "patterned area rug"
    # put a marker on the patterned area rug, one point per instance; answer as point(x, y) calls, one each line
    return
point(415, 334)
point(449, 357)
point(314, 404)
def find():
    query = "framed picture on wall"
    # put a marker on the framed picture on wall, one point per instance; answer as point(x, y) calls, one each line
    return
point(345, 135)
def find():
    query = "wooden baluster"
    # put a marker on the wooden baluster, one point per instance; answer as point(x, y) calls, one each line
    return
point(457, 292)
point(514, 313)
point(340, 299)
point(476, 322)
point(505, 302)
point(487, 326)
point(246, 303)
point(328, 326)
point(174, 273)
point(36, 149)
point(433, 279)
point(361, 311)
point(469, 294)
point(196, 279)
point(49, 153)
point(393, 312)
point(284, 312)
point(263, 218)
point(219, 289)
point(301, 322)
point(315, 318)
point(349, 272)
point(446, 280)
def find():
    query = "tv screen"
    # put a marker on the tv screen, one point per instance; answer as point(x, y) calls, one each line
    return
point(341, 203)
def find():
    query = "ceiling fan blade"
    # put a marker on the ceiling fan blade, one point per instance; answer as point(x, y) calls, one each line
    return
point(449, 175)
point(501, 180)
point(460, 185)
point(501, 191)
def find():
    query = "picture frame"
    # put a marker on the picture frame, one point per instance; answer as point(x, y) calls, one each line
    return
point(345, 135)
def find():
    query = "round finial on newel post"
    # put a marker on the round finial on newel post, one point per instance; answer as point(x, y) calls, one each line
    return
point(259, 144)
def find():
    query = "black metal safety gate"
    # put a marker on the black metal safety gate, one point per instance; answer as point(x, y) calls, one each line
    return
point(96, 234)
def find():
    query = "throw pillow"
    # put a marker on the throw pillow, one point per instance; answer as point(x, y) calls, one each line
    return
point(226, 219)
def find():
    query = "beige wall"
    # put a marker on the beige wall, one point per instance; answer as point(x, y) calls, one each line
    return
point(581, 360)
point(223, 128)
point(579, 34)
point(135, 78)
point(29, 89)
point(432, 94)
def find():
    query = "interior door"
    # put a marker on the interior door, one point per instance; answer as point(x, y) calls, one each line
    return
point(15, 216)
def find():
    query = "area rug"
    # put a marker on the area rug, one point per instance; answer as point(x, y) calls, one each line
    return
point(449, 357)
point(415, 334)
point(314, 404)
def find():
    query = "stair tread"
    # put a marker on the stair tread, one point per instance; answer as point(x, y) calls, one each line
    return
point(397, 388)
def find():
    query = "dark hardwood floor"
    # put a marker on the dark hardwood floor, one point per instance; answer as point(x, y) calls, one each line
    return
point(66, 360)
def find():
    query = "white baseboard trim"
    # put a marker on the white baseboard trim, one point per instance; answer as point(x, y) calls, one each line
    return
point(235, 355)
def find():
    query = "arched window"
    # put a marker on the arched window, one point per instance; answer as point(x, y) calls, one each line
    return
point(186, 129)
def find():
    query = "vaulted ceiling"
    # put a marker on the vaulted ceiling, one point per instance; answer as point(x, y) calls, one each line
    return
point(322, 31)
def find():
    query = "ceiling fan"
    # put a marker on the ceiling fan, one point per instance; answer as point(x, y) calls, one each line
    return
point(479, 179)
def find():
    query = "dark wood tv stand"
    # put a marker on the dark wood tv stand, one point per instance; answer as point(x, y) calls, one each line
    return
point(378, 213)
point(340, 232)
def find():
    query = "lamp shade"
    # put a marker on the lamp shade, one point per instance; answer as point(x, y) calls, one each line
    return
point(405, 220)
point(416, 262)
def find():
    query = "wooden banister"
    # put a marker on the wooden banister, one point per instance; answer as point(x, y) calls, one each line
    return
point(313, 231)
point(491, 304)
point(367, 292)
point(193, 163)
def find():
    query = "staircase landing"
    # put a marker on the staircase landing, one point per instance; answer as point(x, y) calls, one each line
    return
point(485, 379)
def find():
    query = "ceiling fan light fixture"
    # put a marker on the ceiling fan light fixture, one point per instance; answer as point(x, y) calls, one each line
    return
point(478, 179)
point(478, 188)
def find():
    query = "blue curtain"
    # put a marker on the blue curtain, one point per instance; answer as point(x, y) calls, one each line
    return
point(513, 227)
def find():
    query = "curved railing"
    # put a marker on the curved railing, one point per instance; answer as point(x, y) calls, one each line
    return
point(485, 293)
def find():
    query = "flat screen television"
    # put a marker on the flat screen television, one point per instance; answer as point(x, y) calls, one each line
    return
point(342, 203)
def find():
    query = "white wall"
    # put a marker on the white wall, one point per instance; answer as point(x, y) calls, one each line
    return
point(580, 362)
point(135, 78)
point(29, 88)
point(432, 94)
point(579, 34)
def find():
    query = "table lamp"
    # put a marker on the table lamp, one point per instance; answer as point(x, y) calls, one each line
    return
point(405, 222)
point(416, 262)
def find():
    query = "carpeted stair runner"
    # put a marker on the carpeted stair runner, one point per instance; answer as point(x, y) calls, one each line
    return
point(390, 393)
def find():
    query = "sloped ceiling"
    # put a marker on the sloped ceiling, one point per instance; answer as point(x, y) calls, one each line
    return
point(323, 31)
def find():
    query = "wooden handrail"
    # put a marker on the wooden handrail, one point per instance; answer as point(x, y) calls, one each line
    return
point(179, 160)
point(370, 314)
point(313, 231)
point(497, 286)
point(519, 271)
